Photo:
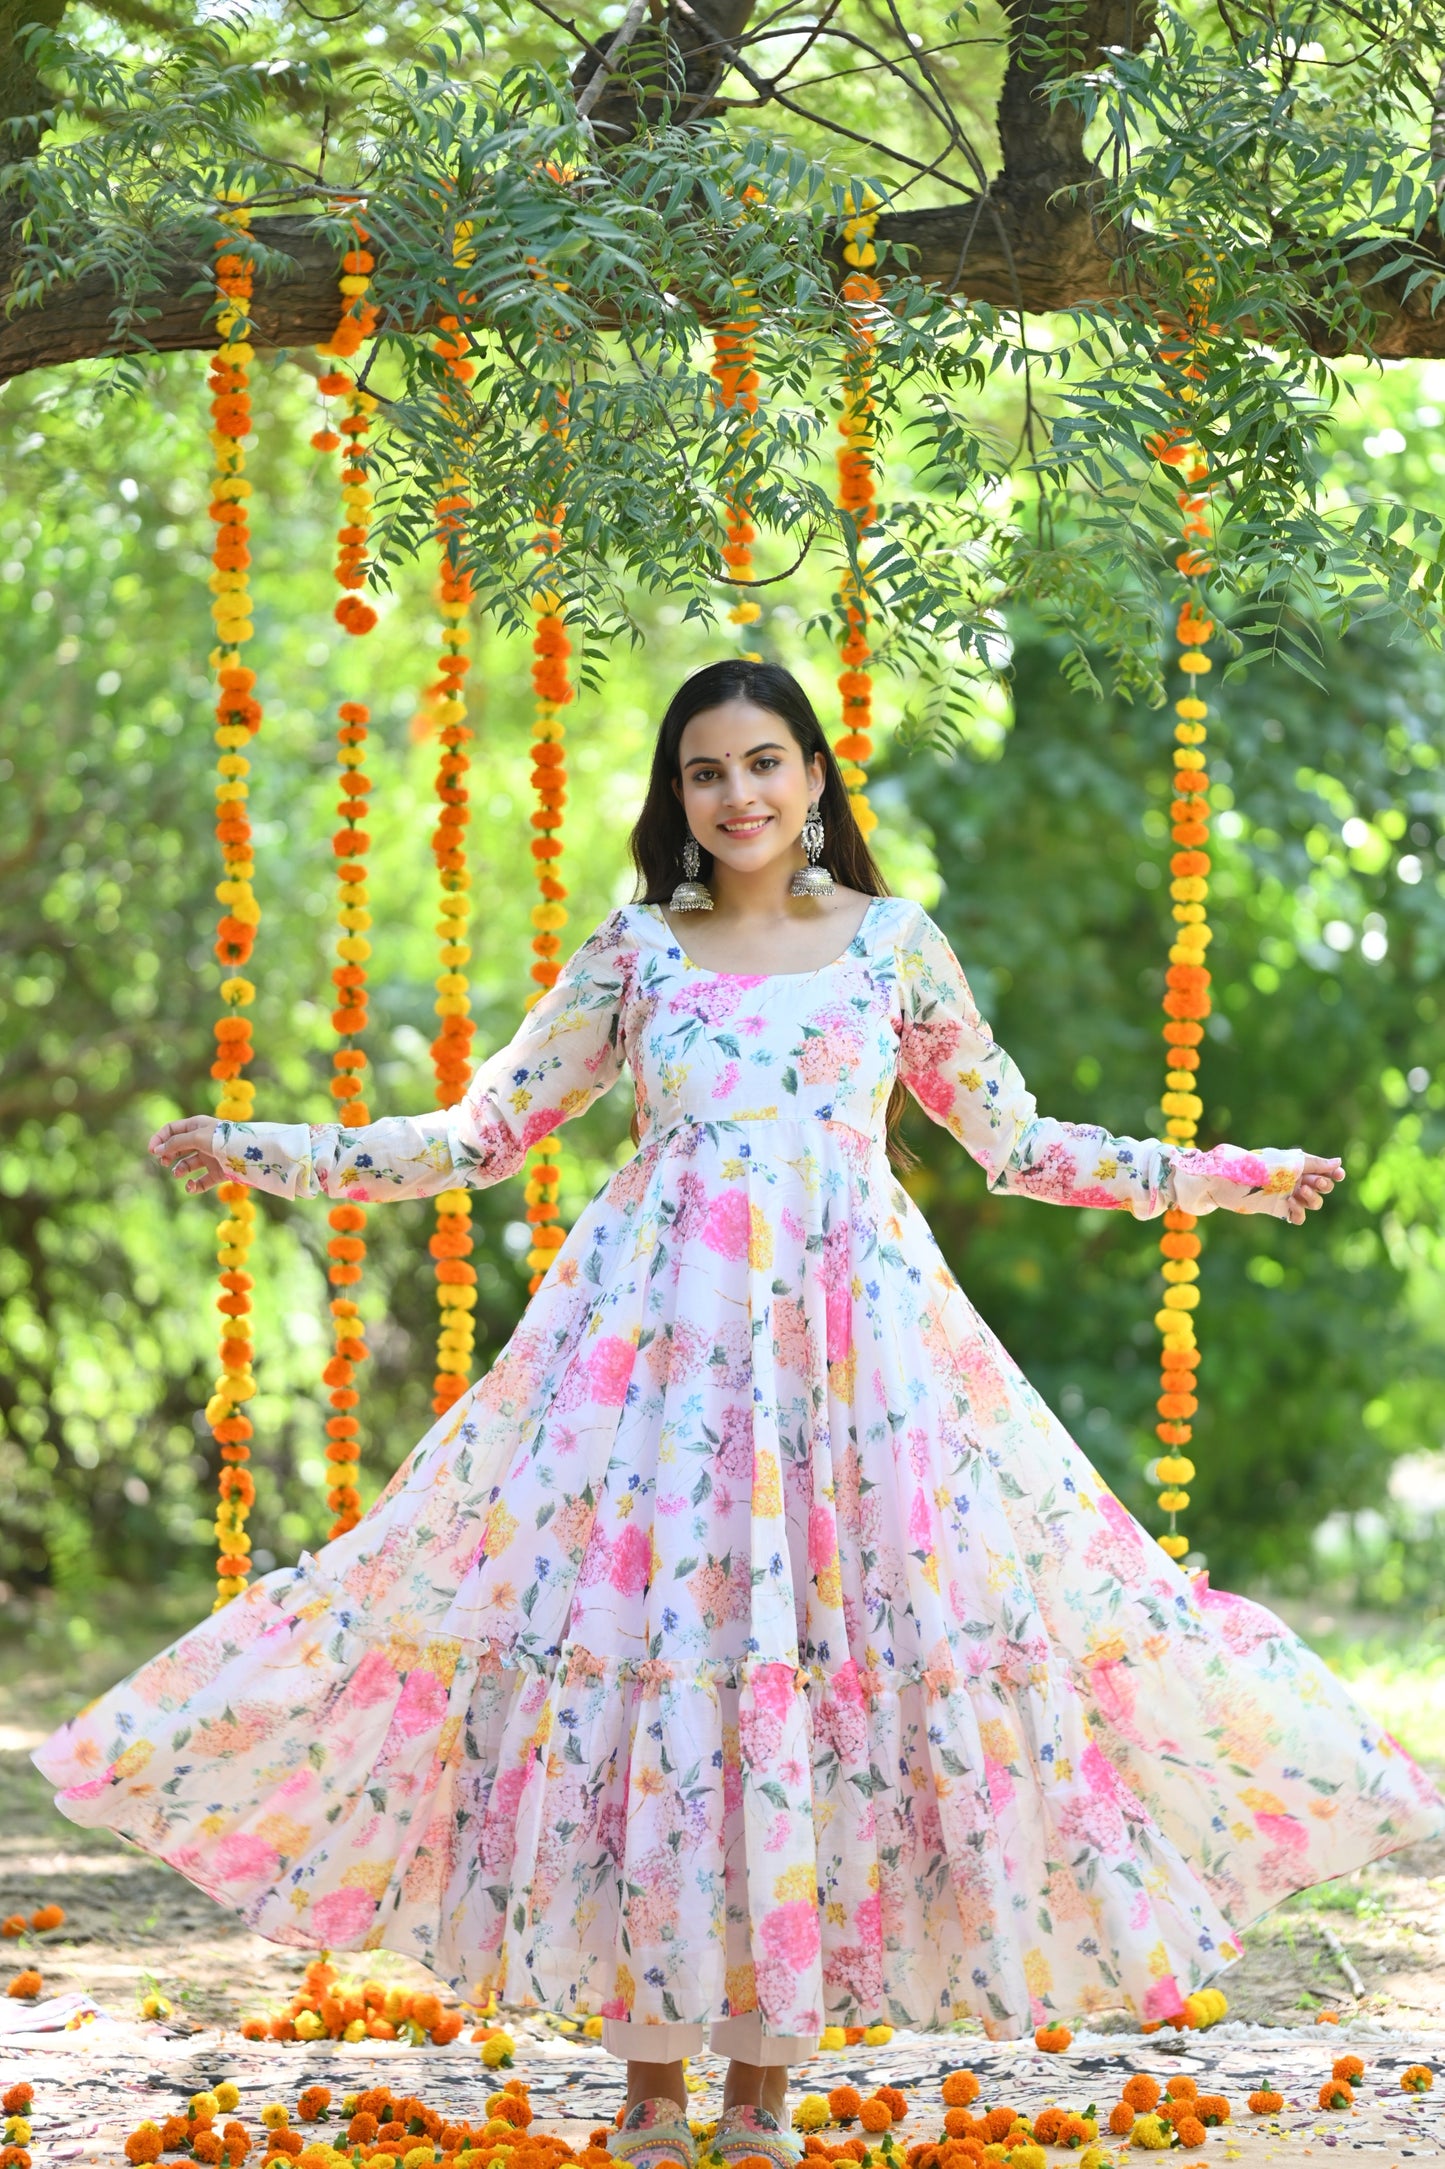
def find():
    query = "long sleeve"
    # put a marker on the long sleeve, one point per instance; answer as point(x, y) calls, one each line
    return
point(963, 1079)
point(568, 1051)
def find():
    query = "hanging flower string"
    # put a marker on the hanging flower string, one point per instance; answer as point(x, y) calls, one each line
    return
point(858, 498)
point(238, 718)
point(1186, 1000)
point(346, 1248)
point(552, 687)
point(445, 708)
point(734, 352)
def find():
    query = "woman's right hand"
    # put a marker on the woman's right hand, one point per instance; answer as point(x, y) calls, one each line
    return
point(185, 1149)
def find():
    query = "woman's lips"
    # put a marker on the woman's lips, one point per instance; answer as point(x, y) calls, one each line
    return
point(745, 828)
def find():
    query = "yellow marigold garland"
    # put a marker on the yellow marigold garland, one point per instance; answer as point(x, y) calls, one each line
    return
point(238, 718)
point(551, 647)
point(858, 498)
point(346, 1247)
point(1186, 1000)
point(446, 708)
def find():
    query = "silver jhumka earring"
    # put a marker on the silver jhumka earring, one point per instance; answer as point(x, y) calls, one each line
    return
point(812, 879)
point(690, 893)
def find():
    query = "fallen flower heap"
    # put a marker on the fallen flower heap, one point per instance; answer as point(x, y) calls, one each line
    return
point(326, 2008)
point(381, 2128)
point(377, 2128)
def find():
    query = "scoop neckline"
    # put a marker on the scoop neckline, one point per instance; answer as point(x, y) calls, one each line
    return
point(754, 977)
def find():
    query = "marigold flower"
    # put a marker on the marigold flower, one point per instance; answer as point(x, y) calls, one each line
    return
point(1348, 2067)
point(1336, 2094)
point(1418, 2079)
point(960, 2088)
point(25, 1983)
point(1265, 2102)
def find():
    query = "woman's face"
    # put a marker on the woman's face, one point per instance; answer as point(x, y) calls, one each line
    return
point(746, 788)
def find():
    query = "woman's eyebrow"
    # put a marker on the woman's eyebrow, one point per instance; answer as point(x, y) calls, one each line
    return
point(770, 745)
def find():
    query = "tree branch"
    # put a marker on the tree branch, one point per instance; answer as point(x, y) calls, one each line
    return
point(1030, 240)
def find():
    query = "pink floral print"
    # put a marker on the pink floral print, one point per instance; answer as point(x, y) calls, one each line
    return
point(752, 1636)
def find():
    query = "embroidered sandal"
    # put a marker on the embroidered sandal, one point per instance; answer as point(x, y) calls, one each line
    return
point(654, 2134)
point(754, 2135)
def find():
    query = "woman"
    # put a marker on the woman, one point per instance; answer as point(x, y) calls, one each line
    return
point(751, 1645)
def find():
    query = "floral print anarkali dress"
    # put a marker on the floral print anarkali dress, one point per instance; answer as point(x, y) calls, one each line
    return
point(752, 1636)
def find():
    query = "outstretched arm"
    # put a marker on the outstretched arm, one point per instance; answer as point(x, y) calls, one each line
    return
point(963, 1079)
point(568, 1050)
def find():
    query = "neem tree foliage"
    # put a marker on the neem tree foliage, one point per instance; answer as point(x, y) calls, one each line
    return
point(588, 200)
point(585, 198)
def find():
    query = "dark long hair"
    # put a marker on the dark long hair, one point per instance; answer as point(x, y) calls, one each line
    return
point(661, 827)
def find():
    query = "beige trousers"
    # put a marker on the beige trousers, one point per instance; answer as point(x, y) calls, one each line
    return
point(742, 2038)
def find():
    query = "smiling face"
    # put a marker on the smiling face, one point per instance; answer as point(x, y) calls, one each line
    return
point(746, 787)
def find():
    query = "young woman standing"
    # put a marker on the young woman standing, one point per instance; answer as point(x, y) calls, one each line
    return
point(751, 1648)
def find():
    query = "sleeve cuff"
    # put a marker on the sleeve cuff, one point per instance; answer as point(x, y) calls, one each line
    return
point(1232, 1180)
point(272, 1156)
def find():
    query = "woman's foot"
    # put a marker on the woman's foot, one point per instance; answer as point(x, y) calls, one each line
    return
point(746, 2132)
point(654, 2134)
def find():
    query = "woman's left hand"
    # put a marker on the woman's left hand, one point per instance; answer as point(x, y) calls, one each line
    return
point(1317, 1179)
point(185, 1148)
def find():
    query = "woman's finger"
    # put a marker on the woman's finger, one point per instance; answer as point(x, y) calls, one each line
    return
point(194, 1132)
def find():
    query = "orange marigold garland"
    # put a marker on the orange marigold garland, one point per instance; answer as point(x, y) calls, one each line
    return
point(446, 710)
point(346, 1247)
point(358, 315)
point(858, 498)
point(1186, 1000)
point(238, 718)
point(551, 647)
point(734, 351)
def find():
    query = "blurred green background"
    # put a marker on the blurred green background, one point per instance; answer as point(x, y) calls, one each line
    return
point(1040, 844)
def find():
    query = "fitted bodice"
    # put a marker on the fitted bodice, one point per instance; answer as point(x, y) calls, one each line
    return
point(778, 1048)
